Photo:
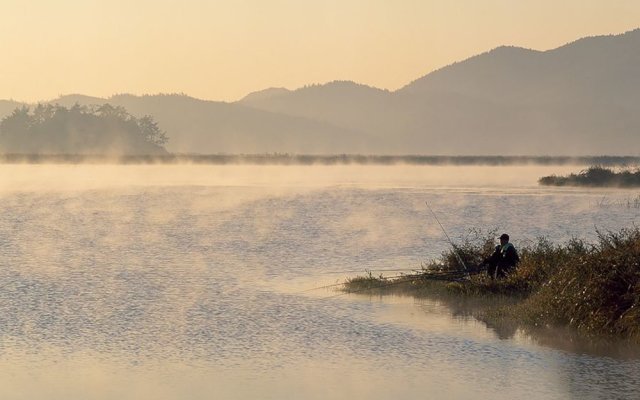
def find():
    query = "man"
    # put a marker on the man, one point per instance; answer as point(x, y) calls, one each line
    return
point(503, 260)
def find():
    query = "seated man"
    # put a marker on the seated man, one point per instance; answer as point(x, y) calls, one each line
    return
point(503, 260)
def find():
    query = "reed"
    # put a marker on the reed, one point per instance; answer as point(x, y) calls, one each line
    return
point(592, 287)
point(596, 176)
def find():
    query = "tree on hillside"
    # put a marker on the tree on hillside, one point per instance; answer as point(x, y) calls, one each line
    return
point(104, 129)
point(19, 121)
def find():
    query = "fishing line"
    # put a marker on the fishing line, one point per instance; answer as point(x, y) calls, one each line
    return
point(344, 283)
point(436, 275)
point(367, 270)
point(363, 289)
point(448, 276)
point(389, 284)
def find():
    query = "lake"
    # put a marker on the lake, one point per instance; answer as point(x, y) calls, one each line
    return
point(193, 282)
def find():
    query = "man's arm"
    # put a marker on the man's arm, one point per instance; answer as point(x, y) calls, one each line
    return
point(493, 259)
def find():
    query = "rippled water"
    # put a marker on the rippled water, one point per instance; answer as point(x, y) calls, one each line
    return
point(176, 282)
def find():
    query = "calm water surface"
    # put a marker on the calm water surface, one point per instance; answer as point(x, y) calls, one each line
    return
point(190, 282)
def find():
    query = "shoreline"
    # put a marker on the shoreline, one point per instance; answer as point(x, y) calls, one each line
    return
point(591, 289)
point(311, 159)
point(501, 313)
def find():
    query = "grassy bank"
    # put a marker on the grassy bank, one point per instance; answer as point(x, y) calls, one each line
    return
point(593, 288)
point(595, 177)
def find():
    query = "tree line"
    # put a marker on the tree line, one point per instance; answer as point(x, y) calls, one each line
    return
point(98, 129)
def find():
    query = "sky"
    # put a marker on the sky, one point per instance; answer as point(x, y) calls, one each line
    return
point(225, 49)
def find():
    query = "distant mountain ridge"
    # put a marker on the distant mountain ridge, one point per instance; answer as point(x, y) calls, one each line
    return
point(209, 127)
point(265, 94)
point(582, 98)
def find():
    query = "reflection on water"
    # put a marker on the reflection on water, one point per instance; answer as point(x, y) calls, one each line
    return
point(188, 282)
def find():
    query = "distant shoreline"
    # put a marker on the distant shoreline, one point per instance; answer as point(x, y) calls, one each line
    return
point(596, 176)
point(306, 159)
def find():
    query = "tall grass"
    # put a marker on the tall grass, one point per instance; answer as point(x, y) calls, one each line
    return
point(596, 176)
point(593, 287)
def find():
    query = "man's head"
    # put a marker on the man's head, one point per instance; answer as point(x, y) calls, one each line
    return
point(504, 239)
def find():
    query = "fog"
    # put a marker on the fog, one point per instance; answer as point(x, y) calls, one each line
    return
point(187, 281)
point(61, 177)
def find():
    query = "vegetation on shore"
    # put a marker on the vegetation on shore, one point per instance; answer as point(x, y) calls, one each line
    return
point(97, 130)
point(596, 176)
point(9, 157)
point(594, 288)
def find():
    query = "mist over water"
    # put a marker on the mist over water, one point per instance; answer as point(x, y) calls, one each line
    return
point(189, 281)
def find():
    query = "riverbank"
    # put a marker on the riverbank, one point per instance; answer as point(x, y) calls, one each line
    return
point(593, 289)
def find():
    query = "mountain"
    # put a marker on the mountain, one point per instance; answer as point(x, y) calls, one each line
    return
point(262, 95)
point(342, 103)
point(582, 98)
point(198, 126)
point(7, 107)
point(597, 67)
point(209, 127)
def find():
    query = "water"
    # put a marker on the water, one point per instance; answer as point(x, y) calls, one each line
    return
point(175, 282)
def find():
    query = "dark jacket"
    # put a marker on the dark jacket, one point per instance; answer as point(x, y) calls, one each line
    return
point(505, 258)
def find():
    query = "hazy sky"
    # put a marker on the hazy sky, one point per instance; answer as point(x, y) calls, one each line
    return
point(224, 49)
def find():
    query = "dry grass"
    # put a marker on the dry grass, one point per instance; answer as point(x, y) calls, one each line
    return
point(594, 288)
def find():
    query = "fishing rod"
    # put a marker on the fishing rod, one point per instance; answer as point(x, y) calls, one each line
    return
point(363, 289)
point(383, 286)
point(344, 283)
point(367, 270)
point(455, 251)
point(321, 287)
point(449, 276)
